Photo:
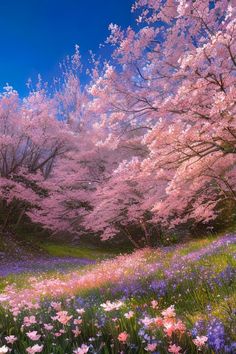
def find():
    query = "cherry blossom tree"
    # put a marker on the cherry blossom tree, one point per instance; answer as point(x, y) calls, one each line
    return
point(149, 143)
point(31, 141)
point(173, 80)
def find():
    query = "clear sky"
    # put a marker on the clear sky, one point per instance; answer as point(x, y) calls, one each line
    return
point(35, 35)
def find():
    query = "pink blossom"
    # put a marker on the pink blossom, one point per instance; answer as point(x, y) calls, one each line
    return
point(200, 341)
point(173, 348)
point(48, 327)
point(63, 317)
point(76, 331)
point(151, 347)
point(33, 335)
point(169, 312)
point(158, 321)
point(11, 339)
point(154, 304)
point(35, 349)
point(123, 336)
point(81, 350)
point(28, 321)
point(129, 314)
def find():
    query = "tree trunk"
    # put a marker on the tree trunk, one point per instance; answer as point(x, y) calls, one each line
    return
point(20, 217)
point(134, 243)
point(146, 233)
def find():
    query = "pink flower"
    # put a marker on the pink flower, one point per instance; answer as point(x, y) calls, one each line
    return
point(158, 321)
point(151, 347)
point(28, 321)
point(4, 298)
point(33, 335)
point(81, 350)
point(169, 326)
point(76, 331)
point(174, 349)
point(154, 304)
point(169, 312)
point(57, 334)
point(200, 341)
point(56, 306)
point(63, 317)
point(122, 337)
point(48, 327)
point(147, 321)
point(78, 321)
point(129, 314)
point(180, 326)
point(35, 349)
point(11, 339)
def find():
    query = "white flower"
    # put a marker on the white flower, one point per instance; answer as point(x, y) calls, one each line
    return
point(4, 349)
point(81, 350)
point(110, 306)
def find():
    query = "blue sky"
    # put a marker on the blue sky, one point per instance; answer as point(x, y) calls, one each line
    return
point(35, 35)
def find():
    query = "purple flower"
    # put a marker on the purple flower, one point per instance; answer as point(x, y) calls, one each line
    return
point(216, 335)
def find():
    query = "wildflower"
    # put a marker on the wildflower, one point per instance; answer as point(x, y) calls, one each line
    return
point(180, 326)
point(11, 339)
point(147, 321)
point(28, 321)
point(33, 335)
point(169, 326)
point(4, 349)
point(4, 298)
point(154, 304)
point(80, 311)
point(216, 335)
point(129, 314)
point(81, 350)
point(56, 306)
point(35, 349)
point(48, 327)
point(78, 321)
point(200, 341)
point(174, 349)
point(151, 347)
point(169, 312)
point(62, 317)
point(110, 306)
point(158, 321)
point(122, 337)
point(57, 334)
point(76, 331)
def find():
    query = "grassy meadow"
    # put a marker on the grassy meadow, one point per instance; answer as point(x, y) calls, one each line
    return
point(176, 299)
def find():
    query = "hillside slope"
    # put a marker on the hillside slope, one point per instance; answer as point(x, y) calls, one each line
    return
point(154, 300)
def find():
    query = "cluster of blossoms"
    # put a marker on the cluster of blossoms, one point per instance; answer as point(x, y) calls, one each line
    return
point(124, 273)
point(164, 324)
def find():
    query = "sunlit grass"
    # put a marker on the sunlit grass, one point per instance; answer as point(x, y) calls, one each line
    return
point(59, 250)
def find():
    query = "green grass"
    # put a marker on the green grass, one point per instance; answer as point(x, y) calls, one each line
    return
point(195, 245)
point(59, 250)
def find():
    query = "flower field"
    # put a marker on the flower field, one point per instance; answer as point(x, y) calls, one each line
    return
point(179, 299)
